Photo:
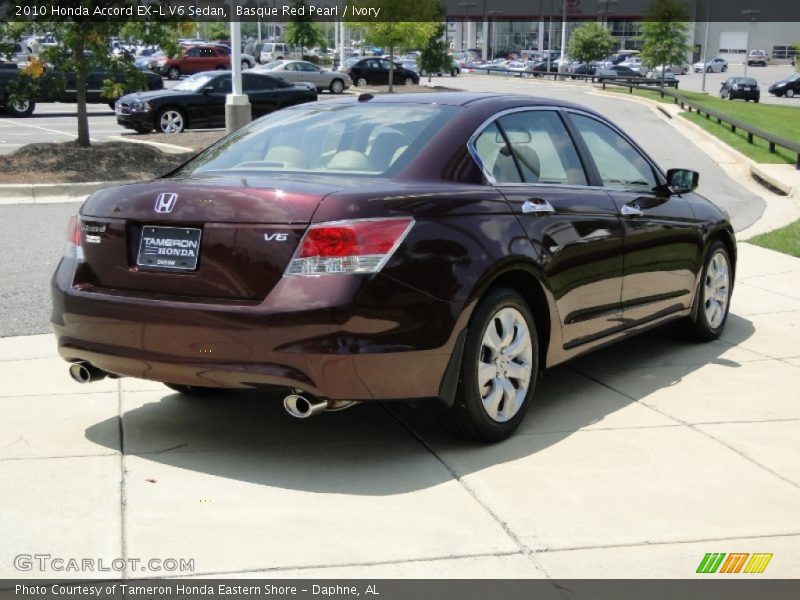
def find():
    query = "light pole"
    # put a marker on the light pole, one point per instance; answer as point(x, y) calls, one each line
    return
point(705, 45)
point(752, 13)
point(493, 30)
point(237, 104)
point(540, 39)
point(561, 65)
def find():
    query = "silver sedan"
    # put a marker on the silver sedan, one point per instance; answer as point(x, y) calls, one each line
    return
point(301, 71)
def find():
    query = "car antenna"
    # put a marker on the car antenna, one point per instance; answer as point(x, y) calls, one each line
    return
point(365, 97)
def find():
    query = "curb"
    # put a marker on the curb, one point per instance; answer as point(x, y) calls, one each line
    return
point(759, 170)
point(164, 147)
point(49, 190)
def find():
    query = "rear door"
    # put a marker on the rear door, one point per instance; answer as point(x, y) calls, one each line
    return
point(215, 100)
point(662, 236)
point(530, 157)
point(262, 92)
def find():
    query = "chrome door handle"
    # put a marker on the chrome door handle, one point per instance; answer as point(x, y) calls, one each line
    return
point(537, 207)
point(631, 210)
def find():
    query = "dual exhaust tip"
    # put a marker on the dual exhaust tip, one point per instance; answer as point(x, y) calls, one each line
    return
point(300, 407)
point(83, 372)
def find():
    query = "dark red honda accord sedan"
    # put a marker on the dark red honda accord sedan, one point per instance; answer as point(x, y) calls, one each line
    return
point(441, 246)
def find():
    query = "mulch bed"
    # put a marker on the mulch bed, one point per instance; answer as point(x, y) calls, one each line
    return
point(68, 162)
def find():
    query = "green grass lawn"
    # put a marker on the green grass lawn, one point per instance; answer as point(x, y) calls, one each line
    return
point(783, 121)
point(786, 239)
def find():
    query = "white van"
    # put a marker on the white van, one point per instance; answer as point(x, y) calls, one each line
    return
point(280, 51)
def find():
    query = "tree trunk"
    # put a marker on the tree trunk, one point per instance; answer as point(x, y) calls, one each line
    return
point(663, 74)
point(391, 69)
point(80, 94)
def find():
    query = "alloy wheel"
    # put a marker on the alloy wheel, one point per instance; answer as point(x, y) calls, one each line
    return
point(337, 86)
point(171, 121)
point(361, 82)
point(716, 289)
point(505, 364)
point(20, 106)
point(790, 93)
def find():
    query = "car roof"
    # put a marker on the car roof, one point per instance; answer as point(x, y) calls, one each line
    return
point(464, 99)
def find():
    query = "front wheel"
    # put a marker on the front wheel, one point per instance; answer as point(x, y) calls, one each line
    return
point(361, 82)
point(20, 108)
point(408, 81)
point(499, 369)
point(174, 73)
point(337, 86)
point(789, 93)
point(245, 65)
point(713, 297)
point(171, 120)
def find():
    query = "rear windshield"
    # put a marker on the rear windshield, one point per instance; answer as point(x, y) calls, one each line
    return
point(356, 139)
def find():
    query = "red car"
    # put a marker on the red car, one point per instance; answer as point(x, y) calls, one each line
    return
point(195, 59)
point(444, 246)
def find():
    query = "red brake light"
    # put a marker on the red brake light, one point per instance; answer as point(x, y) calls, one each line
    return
point(358, 246)
point(73, 248)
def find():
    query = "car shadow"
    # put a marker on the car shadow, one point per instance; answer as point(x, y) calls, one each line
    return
point(386, 448)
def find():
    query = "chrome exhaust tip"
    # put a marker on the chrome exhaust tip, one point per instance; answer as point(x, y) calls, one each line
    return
point(83, 372)
point(301, 407)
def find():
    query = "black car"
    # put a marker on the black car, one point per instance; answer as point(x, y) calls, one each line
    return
point(617, 72)
point(65, 90)
point(583, 70)
point(745, 88)
point(199, 102)
point(541, 68)
point(375, 71)
point(788, 87)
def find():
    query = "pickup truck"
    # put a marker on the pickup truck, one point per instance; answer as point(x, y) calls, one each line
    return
point(67, 93)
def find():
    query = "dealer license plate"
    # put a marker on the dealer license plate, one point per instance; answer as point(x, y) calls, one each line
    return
point(169, 248)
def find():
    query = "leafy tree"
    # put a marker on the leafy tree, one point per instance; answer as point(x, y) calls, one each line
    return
point(589, 42)
point(217, 31)
point(302, 30)
point(664, 34)
point(434, 57)
point(395, 34)
point(84, 46)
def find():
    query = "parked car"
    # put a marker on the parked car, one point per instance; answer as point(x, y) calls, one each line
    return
point(677, 69)
point(195, 59)
point(668, 76)
point(446, 246)
point(18, 54)
point(715, 65)
point(582, 70)
point(248, 61)
point(66, 91)
point(745, 88)
point(788, 87)
point(254, 49)
point(541, 68)
point(375, 71)
point(616, 72)
point(279, 51)
point(303, 71)
point(757, 57)
point(199, 102)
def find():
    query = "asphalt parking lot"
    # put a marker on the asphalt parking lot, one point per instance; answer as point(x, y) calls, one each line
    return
point(635, 461)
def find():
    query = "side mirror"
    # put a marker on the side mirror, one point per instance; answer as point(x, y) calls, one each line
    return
point(681, 181)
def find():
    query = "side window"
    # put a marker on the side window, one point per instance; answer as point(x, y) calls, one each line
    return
point(193, 52)
point(495, 155)
point(619, 162)
point(223, 85)
point(543, 148)
point(207, 52)
point(257, 83)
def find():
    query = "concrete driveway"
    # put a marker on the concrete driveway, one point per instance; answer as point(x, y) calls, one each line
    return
point(635, 462)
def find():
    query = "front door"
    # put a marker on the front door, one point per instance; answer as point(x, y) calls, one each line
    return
point(530, 157)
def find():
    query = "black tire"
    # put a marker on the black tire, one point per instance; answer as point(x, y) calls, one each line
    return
point(409, 81)
point(698, 327)
point(468, 418)
point(337, 86)
point(246, 65)
point(789, 93)
point(192, 390)
point(178, 114)
point(173, 73)
point(20, 109)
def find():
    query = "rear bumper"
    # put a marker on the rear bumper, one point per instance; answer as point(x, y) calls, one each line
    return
point(358, 339)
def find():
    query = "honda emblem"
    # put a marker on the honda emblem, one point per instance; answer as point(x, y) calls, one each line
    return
point(165, 202)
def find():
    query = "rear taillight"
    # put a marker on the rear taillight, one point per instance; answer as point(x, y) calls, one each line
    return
point(73, 248)
point(358, 246)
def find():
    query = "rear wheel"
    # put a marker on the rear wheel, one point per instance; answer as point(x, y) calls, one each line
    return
point(361, 82)
point(713, 298)
point(408, 81)
point(499, 369)
point(789, 93)
point(245, 65)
